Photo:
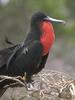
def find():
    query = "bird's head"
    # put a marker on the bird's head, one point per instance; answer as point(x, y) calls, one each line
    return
point(41, 17)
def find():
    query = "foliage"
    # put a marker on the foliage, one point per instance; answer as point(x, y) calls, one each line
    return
point(15, 17)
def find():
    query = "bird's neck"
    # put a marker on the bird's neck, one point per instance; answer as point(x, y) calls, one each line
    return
point(47, 38)
point(35, 31)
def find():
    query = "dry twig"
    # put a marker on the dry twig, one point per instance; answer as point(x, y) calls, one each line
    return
point(7, 81)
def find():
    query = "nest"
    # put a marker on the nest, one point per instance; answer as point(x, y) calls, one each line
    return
point(48, 85)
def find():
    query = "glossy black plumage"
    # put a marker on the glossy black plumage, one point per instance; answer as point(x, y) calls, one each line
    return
point(27, 56)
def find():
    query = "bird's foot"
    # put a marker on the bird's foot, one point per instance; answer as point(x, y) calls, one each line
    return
point(29, 82)
point(30, 86)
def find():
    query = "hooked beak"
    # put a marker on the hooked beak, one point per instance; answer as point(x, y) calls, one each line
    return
point(54, 20)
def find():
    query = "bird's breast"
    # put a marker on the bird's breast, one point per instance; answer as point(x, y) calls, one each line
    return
point(47, 38)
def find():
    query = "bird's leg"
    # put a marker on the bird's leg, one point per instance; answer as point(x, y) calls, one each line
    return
point(28, 78)
point(29, 83)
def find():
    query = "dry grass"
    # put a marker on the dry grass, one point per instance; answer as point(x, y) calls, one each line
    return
point(48, 85)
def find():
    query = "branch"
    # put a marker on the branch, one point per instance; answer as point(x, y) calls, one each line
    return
point(6, 82)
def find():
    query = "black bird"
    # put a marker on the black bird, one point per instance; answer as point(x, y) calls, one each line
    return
point(30, 56)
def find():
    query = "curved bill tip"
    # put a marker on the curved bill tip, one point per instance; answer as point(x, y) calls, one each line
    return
point(55, 20)
point(63, 22)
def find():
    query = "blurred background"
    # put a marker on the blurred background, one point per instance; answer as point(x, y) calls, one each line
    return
point(15, 20)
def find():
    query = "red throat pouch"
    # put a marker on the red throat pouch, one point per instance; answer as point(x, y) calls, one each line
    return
point(47, 37)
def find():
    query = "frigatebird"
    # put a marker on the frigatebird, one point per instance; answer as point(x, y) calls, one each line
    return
point(30, 55)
